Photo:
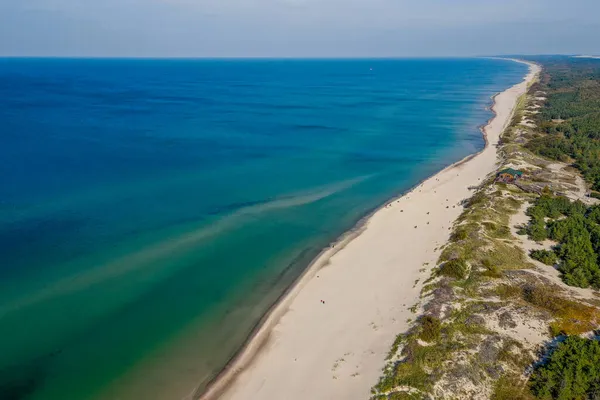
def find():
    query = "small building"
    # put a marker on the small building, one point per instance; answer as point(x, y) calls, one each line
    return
point(508, 175)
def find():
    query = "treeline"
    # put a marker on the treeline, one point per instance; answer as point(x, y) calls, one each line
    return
point(572, 371)
point(570, 118)
point(576, 228)
point(569, 124)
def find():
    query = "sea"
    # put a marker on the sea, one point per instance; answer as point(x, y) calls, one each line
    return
point(152, 210)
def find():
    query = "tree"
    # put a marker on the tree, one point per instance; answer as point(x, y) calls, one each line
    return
point(572, 371)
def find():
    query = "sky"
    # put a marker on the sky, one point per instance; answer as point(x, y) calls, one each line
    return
point(297, 28)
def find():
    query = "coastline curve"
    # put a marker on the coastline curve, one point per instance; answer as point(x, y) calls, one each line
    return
point(262, 334)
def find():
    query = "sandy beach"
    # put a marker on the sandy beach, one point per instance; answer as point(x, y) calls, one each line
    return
point(329, 336)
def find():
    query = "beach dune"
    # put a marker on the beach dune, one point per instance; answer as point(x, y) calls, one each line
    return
point(329, 336)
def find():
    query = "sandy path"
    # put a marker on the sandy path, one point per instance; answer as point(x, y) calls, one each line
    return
point(336, 350)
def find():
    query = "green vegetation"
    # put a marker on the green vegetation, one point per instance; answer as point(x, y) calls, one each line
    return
point(575, 227)
point(456, 268)
point(430, 328)
point(571, 372)
point(505, 291)
point(511, 388)
point(422, 365)
point(479, 241)
point(504, 257)
point(570, 118)
point(570, 317)
point(545, 256)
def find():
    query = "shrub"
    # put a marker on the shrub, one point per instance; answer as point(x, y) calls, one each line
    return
point(537, 230)
point(491, 270)
point(456, 268)
point(495, 230)
point(477, 199)
point(546, 256)
point(458, 235)
point(431, 328)
point(404, 396)
point(505, 291)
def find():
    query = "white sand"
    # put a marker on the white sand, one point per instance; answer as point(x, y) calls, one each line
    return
point(310, 350)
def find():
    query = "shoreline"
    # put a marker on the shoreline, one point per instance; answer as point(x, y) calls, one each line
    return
point(326, 253)
point(215, 388)
point(263, 333)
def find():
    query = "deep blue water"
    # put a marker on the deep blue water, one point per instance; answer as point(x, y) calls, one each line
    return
point(152, 210)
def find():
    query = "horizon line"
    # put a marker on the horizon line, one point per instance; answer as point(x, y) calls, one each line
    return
point(280, 57)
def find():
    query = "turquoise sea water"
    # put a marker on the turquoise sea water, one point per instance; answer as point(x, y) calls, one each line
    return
point(152, 210)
